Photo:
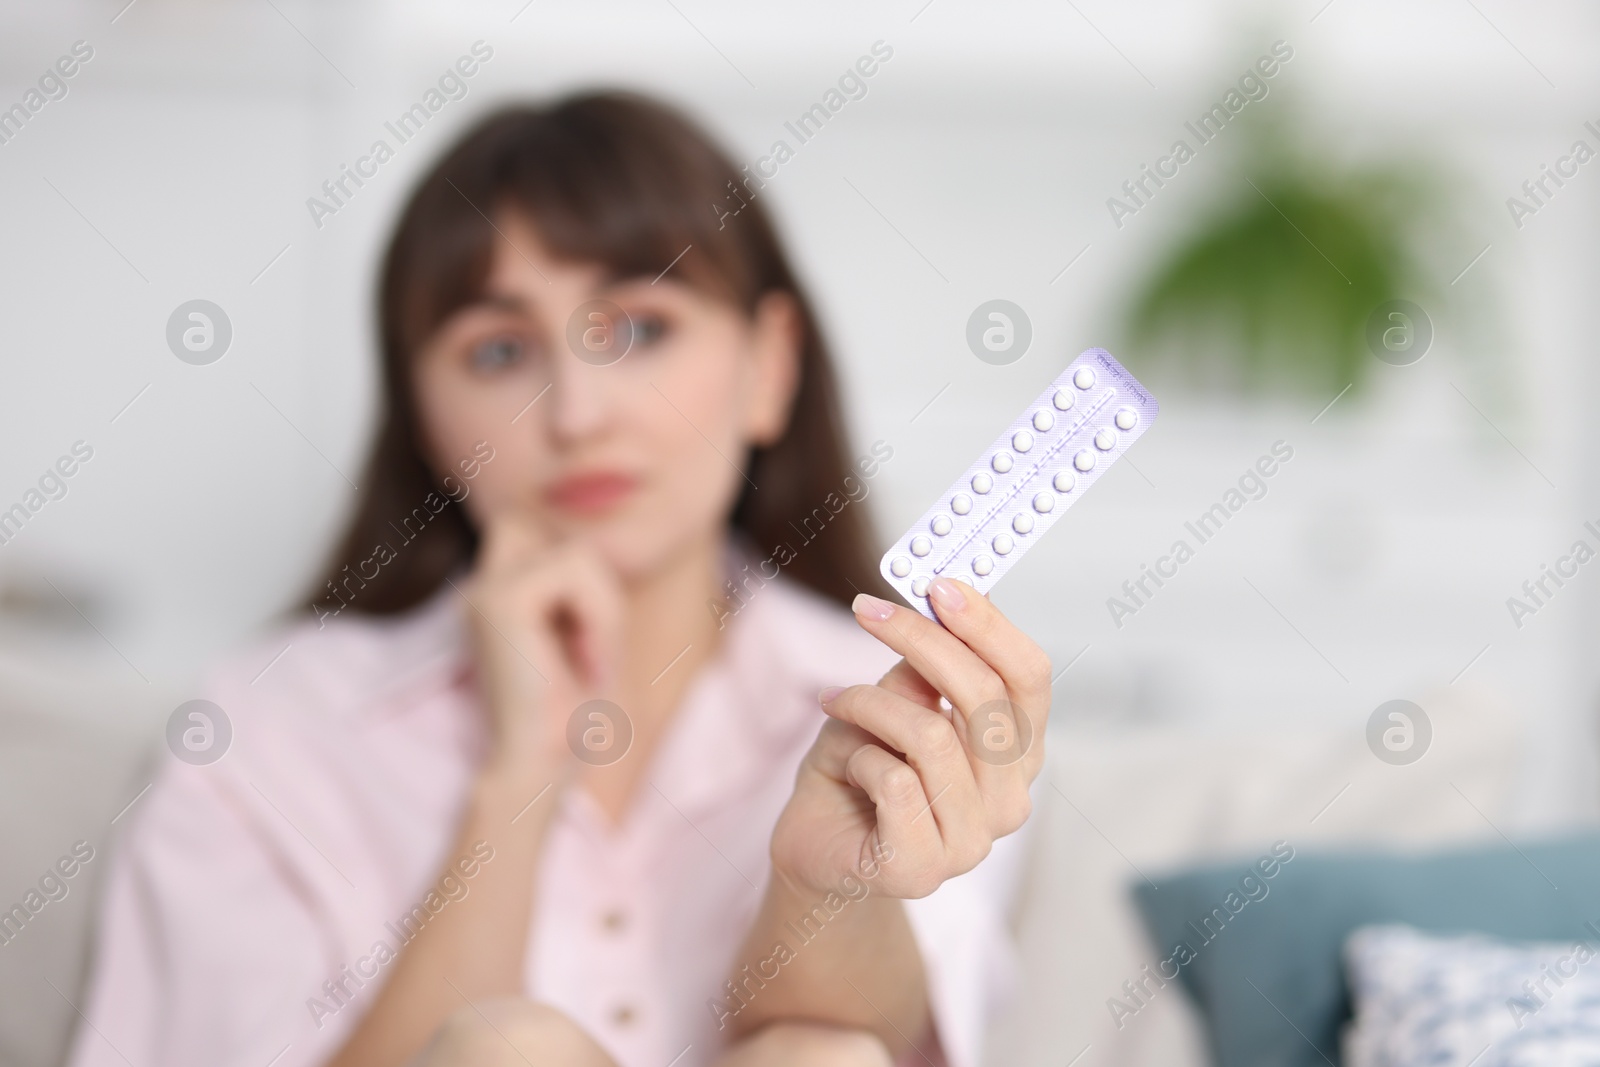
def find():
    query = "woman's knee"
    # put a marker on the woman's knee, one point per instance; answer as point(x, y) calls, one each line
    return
point(513, 1032)
point(809, 1045)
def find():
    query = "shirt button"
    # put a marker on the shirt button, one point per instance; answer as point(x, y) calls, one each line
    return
point(614, 920)
point(623, 1015)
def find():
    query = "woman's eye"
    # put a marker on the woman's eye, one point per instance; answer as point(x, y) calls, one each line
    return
point(496, 353)
point(648, 328)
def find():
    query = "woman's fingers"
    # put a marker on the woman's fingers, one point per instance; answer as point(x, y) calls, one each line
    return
point(935, 653)
point(547, 618)
point(886, 802)
point(904, 680)
point(582, 599)
point(552, 601)
point(983, 628)
point(904, 821)
point(890, 767)
point(979, 660)
point(934, 754)
point(995, 676)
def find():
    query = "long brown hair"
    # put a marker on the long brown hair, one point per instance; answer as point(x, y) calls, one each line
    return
point(623, 181)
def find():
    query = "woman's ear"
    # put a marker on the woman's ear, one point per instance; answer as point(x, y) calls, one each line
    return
point(778, 336)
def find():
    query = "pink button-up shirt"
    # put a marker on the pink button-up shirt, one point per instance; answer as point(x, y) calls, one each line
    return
point(255, 903)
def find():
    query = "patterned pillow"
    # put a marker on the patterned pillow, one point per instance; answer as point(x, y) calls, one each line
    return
point(1454, 1001)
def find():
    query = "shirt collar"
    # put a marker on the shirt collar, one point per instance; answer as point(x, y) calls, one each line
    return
point(754, 702)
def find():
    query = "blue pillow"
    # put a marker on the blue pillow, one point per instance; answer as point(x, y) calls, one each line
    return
point(1260, 954)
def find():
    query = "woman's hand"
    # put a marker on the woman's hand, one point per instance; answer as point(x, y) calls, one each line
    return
point(899, 790)
point(546, 621)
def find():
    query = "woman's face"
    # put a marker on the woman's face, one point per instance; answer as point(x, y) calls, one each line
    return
point(642, 457)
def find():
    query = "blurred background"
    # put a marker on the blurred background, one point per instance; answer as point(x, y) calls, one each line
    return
point(981, 164)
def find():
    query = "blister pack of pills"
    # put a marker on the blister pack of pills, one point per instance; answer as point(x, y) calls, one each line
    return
point(1048, 457)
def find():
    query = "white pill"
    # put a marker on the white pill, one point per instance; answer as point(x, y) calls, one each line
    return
point(1062, 400)
point(1043, 420)
point(1084, 460)
point(961, 503)
point(900, 567)
point(921, 546)
point(982, 565)
point(1105, 440)
point(1001, 462)
point(1064, 481)
point(1126, 419)
point(919, 586)
point(1022, 440)
point(1043, 502)
point(982, 483)
point(940, 525)
point(1003, 544)
point(1083, 378)
point(1023, 523)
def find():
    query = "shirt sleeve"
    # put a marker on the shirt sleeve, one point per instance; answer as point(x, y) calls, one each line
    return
point(963, 931)
point(205, 948)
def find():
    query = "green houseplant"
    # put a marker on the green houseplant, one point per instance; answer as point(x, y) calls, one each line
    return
point(1273, 285)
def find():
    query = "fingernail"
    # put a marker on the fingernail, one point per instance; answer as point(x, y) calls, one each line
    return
point(947, 594)
point(871, 607)
point(826, 696)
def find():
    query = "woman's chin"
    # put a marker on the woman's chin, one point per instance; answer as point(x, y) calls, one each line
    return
point(638, 551)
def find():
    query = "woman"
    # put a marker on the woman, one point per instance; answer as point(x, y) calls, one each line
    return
point(548, 778)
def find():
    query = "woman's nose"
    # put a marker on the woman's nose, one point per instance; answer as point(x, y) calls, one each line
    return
point(581, 393)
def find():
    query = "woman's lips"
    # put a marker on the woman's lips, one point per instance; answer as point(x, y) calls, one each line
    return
point(590, 494)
